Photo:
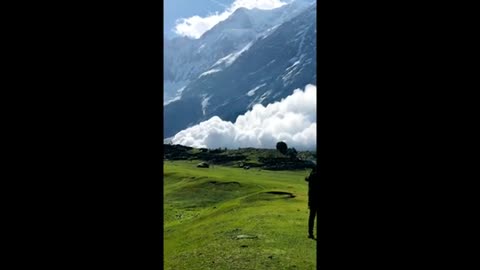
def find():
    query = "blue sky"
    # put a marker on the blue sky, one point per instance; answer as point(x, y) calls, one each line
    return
point(176, 9)
point(201, 15)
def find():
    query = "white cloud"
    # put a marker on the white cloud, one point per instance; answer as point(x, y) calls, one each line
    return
point(293, 120)
point(195, 26)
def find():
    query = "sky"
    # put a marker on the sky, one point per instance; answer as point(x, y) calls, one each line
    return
point(193, 18)
point(177, 9)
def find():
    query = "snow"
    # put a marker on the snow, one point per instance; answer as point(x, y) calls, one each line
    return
point(224, 59)
point(205, 104)
point(263, 97)
point(294, 64)
point(179, 91)
point(271, 62)
point(170, 94)
point(171, 100)
point(269, 31)
point(178, 96)
point(229, 59)
point(303, 34)
point(200, 48)
point(290, 71)
point(259, 100)
point(209, 72)
point(252, 92)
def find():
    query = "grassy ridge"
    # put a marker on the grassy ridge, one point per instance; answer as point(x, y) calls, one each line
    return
point(252, 157)
point(208, 211)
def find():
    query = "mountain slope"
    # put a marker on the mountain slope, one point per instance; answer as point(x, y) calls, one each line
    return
point(267, 70)
point(185, 59)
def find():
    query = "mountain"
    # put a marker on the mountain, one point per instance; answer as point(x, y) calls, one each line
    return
point(255, 56)
point(185, 58)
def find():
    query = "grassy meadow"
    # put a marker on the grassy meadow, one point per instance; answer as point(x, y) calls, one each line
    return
point(226, 217)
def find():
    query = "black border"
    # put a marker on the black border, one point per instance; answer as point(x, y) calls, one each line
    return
point(89, 163)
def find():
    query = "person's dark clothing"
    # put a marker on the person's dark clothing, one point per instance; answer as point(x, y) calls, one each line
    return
point(311, 219)
point(313, 188)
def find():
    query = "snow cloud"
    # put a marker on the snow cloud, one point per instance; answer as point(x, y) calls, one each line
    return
point(195, 26)
point(292, 120)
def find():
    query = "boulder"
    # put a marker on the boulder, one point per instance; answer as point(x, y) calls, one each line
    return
point(203, 165)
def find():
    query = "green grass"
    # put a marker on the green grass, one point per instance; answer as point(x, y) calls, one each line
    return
point(205, 209)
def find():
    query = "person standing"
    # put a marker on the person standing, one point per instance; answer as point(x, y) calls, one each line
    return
point(313, 187)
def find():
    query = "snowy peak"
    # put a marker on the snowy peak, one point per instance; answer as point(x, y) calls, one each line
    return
point(239, 19)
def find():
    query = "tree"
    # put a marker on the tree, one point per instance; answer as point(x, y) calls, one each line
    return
point(292, 153)
point(282, 147)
